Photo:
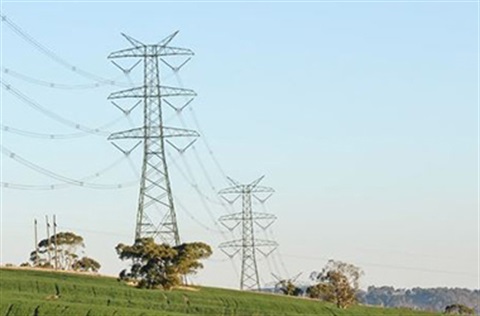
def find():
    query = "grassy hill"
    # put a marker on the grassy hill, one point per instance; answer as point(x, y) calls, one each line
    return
point(36, 293)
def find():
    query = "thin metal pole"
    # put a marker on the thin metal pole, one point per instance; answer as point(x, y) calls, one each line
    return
point(36, 242)
point(48, 240)
point(55, 240)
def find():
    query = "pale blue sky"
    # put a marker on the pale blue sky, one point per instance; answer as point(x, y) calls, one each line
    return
point(363, 117)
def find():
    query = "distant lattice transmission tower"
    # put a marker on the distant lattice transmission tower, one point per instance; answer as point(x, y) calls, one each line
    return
point(155, 212)
point(248, 245)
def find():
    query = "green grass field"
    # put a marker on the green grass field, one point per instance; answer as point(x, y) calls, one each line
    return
point(35, 293)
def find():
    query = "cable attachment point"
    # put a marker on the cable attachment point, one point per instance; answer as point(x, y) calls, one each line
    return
point(181, 150)
point(126, 152)
point(126, 71)
point(230, 201)
point(177, 68)
point(128, 111)
point(262, 200)
point(178, 109)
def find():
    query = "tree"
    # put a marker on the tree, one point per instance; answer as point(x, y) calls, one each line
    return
point(432, 299)
point(60, 251)
point(160, 265)
point(337, 283)
point(287, 287)
point(459, 309)
point(86, 264)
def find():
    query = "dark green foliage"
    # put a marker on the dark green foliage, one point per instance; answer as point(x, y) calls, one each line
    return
point(459, 309)
point(314, 291)
point(86, 264)
point(60, 251)
point(62, 239)
point(287, 287)
point(160, 265)
point(57, 251)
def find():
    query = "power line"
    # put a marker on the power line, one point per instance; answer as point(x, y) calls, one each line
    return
point(207, 145)
point(179, 113)
point(101, 232)
point(57, 85)
point(190, 178)
point(51, 136)
point(56, 58)
point(203, 138)
point(195, 186)
point(192, 182)
point(57, 176)
point(386, 266)
point(55, 186)
point(50, 84)
point(56, 117)
point(270, 233)
point(272, 257)
point(196, 220)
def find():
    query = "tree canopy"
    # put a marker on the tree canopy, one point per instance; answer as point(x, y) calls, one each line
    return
point(160, 265)
point(61, 251)
point(86, 264)
point(288, 287)
point(459, 309)
point(337, 283)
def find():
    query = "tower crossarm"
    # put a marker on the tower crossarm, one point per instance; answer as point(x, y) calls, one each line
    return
point(234, 182)
point(254, 183)
point(231, 221)
point(262, 189)
point(265, 243)
point(263, 220)
point(179, 132)
point(232, 190)
point(239, 217)
point(151, 51)
point(253, 187)
point(153, 132)
point(161, 91)
point(239, 243)
point(231, 248)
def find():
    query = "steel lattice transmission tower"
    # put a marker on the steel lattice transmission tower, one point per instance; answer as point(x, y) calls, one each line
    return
point(248, 245)
point(155, 212)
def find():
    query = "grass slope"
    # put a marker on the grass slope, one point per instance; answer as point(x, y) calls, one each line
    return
point(37, 293)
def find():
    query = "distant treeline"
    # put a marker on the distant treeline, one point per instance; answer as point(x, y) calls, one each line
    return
point(432, 299)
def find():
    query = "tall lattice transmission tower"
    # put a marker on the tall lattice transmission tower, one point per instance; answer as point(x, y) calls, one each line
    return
point(155, 212)
point(247, 219)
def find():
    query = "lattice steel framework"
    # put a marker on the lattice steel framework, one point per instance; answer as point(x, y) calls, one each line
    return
point(248, 245)
point(155, 212)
